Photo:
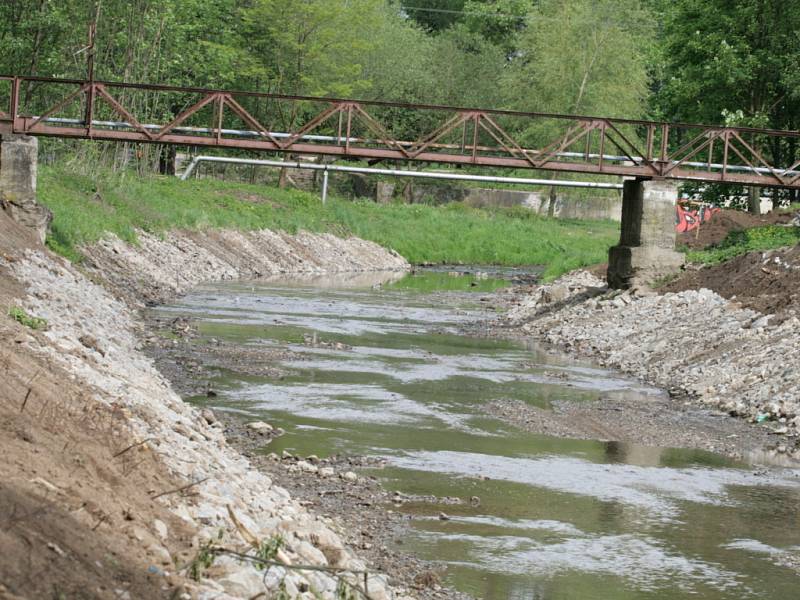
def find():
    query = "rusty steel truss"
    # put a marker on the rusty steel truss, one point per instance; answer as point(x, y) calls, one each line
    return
point(368, 130)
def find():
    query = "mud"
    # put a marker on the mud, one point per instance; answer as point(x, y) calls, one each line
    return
point(768, 282)
point(190, 362)
point(669, 422)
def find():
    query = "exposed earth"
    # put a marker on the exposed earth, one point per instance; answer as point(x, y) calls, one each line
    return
point(768, 282)
point(89, 504)
point(716, 229)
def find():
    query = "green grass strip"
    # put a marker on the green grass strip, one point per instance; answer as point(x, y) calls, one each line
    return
point(87, 208)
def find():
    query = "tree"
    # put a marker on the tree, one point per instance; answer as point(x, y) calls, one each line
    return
point(434, 15)
point(733, 63)
point(579, 57)
point(499, 21)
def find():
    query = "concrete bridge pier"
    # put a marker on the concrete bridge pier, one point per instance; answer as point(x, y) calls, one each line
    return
point(646, 249)
point(18, 167)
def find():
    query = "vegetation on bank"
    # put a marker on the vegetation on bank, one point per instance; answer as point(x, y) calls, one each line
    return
point(86, 208)
point(20, 315)
point(748, 240)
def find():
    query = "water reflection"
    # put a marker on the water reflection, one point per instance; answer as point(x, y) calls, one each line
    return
point(558, 518)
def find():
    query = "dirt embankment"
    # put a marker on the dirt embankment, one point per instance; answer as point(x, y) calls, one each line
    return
point(78, 517)
point(113, 487)
point(716, 229)
point(768, 282)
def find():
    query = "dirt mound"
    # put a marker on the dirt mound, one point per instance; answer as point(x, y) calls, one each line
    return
point(768, 282)
point(712, 232)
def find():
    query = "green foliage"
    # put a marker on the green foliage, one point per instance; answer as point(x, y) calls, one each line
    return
point(731, 63)
point(434, 15)
point(268, 549)
point(499, 21)
point(742, 242)
point(202, 561)
point(582, 57)
point(22, 317)
point(86, 208)
point(344, 591)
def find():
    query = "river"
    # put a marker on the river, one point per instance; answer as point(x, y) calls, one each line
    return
point(550, 518)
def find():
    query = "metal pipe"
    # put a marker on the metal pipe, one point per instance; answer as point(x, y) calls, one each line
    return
point(324, 185)
point(395, 173)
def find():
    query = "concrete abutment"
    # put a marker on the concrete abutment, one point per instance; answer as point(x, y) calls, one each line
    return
point(646, 249)
point(18, 172)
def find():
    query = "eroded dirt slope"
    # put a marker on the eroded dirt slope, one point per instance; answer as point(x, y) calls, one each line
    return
point(768, 282)
point(77, 517)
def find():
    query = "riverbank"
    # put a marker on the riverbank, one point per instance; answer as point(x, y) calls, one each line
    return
point(708, 352)
point(163, 497)
point(88, 208)
point(373, 375)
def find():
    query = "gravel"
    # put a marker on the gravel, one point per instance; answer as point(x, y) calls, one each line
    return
point(96, 337)
point(694, 343)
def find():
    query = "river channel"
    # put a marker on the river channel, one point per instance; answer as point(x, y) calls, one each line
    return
point(557, 518)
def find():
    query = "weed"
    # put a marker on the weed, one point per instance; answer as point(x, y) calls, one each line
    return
point(269, 549)
point(20, 316)
point(344, 591)
point(205, 558)
point(282, 594)
point(202, 561)
point(742, 242)
point(660, 282)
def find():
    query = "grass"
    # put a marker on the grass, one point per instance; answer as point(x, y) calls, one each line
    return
point(749, 240)
point(22, 317)
point(87, 208)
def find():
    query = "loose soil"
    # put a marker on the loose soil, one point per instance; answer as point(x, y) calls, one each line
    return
point(77, 511)
point(713, 231)
point(768, 282)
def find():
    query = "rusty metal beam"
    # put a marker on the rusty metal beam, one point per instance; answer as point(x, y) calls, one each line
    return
point(645, 157)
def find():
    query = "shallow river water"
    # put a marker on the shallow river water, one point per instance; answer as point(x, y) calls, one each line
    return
point(558, 518)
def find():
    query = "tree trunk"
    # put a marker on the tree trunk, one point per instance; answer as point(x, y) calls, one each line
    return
point(166, 160)
point(754, 200)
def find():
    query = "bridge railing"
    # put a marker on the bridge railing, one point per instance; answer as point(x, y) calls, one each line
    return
point(380, 131)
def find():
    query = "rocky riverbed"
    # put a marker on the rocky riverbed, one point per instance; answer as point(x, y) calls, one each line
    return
point(228, 508)
point(364, 511)
point(705, 350)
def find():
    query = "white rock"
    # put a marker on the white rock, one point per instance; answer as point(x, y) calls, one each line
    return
point(260, 426)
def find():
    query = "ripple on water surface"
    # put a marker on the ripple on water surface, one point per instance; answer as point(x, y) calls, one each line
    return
point(557, 518)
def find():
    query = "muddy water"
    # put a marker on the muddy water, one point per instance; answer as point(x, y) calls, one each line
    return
point(557, 518)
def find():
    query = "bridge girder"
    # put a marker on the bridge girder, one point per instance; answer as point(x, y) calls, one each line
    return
point(359, 129)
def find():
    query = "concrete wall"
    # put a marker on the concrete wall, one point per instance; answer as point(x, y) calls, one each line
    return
point(18, 171)
point(569, 205)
